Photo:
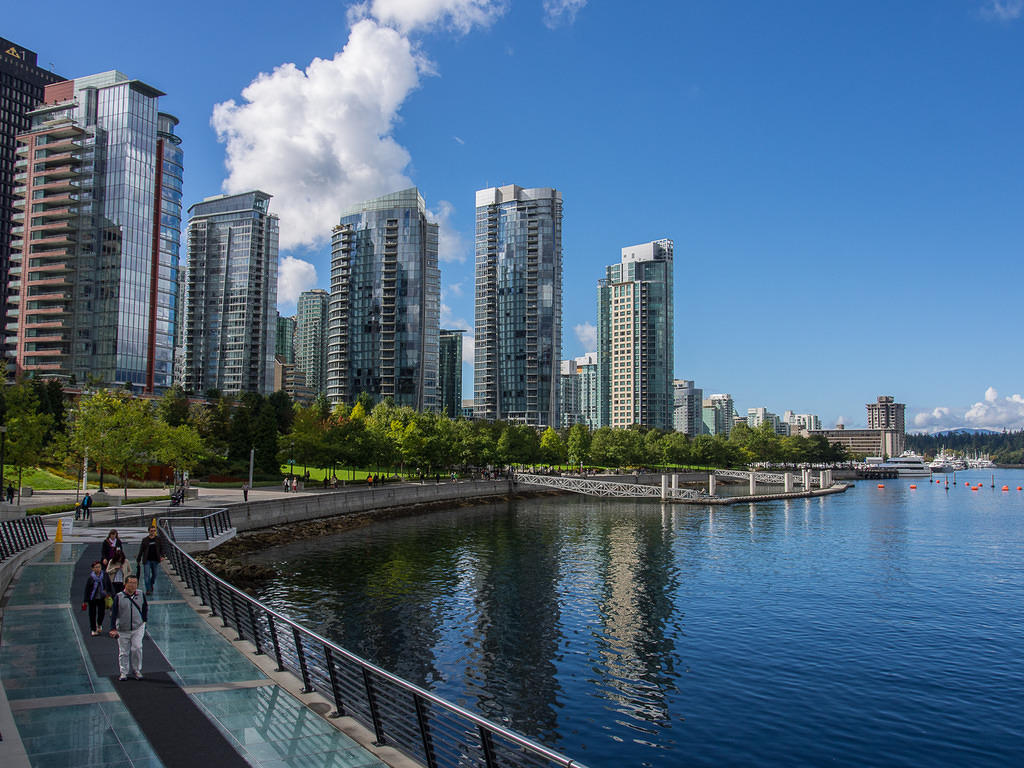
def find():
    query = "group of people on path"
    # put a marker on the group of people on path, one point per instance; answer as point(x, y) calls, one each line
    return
point(112, 584)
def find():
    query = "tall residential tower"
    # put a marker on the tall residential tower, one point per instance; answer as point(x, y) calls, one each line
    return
point(21, 89)
point(230, 329)
point(95, 259)
point(518, 305)
point(311, 338)
point(385, 303)
point(635, 338)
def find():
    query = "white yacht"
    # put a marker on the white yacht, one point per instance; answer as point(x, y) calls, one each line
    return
point(981, 462)
point(941, 464)
point(907, 465)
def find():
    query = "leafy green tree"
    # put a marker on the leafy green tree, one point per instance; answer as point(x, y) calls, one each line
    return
point(26, 428)
point(282, 405)
point(602, 447)
point(518, 444)
point(172, 408)
point(116, 431)
point(578, 444)
point(179, 447)
point(307, 440)
point(654, 452)
point(676, 448)
point(265, 440)
point(552, 449)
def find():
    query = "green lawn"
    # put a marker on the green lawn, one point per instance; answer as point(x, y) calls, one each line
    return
point(39, 479)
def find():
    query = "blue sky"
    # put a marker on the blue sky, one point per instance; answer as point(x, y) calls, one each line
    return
point(844, 181)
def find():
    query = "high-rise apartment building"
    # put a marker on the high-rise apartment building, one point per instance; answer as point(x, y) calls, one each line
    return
point(886, 413)
point(578, 398)
point(385, 303)
point(635, 338)
point(449, 378)
point(758, 416)
point(518, 304)
point(284, 345)
point(719, 414)
point(799, 422)
point(687, 416)
point(95, 257)
point(311, 338)
point(230, 313)
point(21, 89)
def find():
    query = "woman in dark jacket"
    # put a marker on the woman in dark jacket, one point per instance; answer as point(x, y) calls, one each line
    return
point(110, 545)
point(97, 589)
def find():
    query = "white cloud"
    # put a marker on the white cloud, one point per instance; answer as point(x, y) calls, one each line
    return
point(468, 347)
point(1003, 10)
point(293, 277)
point(451, 246)
point(991, 413)
point(559, 12)
point(587, 335)
point(409, 15)
point(459, 140)
point(320, 139)
point(455, 289)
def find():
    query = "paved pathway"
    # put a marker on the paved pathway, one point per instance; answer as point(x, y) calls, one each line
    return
point(70, 710)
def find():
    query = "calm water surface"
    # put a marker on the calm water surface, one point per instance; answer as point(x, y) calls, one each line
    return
point(879, 627)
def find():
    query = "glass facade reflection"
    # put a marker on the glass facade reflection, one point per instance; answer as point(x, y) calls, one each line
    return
point(311, 338)
point(518, 341)
point(100, 254)
point(385, 302)
point(230, 317)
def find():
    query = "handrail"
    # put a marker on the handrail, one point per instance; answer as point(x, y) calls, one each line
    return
point(411, 719)
point(18, 535)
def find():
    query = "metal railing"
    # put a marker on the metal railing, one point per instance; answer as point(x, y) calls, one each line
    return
point(18, 535)
point(430, 730)
point(197, 527)
point(611, 488)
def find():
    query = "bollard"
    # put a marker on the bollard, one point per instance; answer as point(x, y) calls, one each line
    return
point(675, 485)
point(664, 487)
point(753, 484)
point(60, 531)
point(711, 484)
point(787, 482)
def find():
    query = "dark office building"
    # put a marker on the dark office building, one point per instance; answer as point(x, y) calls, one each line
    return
point(449, 373)
point(21, 89)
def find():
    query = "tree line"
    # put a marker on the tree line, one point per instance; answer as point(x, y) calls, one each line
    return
point(122, 435)
point(1002, 448)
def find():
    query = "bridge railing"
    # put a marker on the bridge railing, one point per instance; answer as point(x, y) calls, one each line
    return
point(20, 534)
point(591, 487)
point(430, 730)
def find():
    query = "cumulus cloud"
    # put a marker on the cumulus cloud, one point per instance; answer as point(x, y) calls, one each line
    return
point(320, 139)
point(448, 320)
point(1003, 10)
point(409, 15)
point(992, 412)
point(293, 277)
point(559, 12)
point(586, 333)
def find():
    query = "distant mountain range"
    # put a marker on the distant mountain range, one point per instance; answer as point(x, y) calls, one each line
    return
point(945, 431)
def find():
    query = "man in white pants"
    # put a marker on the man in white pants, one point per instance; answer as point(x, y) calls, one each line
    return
point(128, 619)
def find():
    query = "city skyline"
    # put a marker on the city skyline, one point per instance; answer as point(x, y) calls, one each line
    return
point(830, 176)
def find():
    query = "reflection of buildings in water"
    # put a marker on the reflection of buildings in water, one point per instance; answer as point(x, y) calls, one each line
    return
point(635, 607)
point(510, 670)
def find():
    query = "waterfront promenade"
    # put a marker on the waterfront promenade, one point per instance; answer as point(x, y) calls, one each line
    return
point(204, 697)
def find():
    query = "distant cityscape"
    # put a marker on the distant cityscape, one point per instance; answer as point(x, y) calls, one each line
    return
point(91, 173)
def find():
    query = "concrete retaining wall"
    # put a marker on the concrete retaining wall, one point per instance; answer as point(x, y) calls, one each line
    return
point(297, 509)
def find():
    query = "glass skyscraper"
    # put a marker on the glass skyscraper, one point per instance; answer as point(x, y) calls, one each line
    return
point(99, 177)
point(449, 378)
point(230, 331)
point(311, 338)
point(635, 339)
point(518, 305)
point(284, 347)
point(385, 303)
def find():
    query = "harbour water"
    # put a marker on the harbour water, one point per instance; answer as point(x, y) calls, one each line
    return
point(877, 627)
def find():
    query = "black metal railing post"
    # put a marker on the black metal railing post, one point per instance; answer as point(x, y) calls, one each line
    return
point(277, 644)
point(371, 699)
point(424, 725)
point(339, 708)
point(306, 685)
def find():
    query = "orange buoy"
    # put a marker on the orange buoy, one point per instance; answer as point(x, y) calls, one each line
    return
point(1019, 488)
point(1006, 487)
point(966, 484)
point(881, 485)
point(913, 487)
point(974, 489)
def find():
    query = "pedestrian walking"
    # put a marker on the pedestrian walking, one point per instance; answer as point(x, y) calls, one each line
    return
point(245, 491)
point(10, 493)
point(286, 484)
point(97, 590)
point(87, 507)
point(118, 569)
point(128, 617)
point(111, 544)
point(150, 555)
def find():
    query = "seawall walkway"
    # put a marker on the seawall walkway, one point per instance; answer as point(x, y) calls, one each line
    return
point(201, 699)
